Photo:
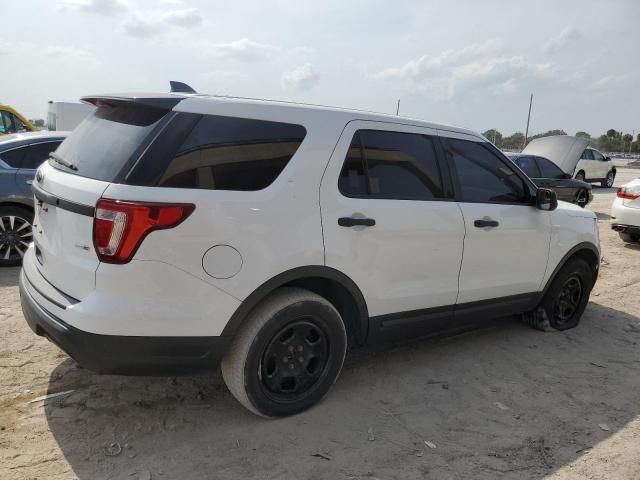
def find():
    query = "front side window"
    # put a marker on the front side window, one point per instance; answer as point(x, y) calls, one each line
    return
point(484, 177)
point(587, 154)
point(227, 153)
point(15, 157)
point(39, 153)
point(391, 165)
point(597, 155)
point(6, 123)
point(528, 166)
point(549, 169)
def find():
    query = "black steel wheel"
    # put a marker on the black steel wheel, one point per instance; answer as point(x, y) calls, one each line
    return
point(288, 353)
point(566, 298)
point(15, 234)
point(582, 198)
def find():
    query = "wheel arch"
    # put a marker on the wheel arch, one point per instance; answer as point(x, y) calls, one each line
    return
point(586, 250)
point(17, 204)
point(327, 282)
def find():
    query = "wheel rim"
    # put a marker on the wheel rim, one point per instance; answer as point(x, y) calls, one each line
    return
point(568, 300)
point(581, 198)
point(15, 236)
point(609, 179)
point(294, 360)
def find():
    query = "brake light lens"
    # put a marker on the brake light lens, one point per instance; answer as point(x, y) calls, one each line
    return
point(119, 227)
point(627, 193)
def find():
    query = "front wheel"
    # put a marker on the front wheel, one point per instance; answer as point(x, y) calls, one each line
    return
point(608, 182)
point(582, 198)
point(15, 234)
point(287, 355)
point(566, 299)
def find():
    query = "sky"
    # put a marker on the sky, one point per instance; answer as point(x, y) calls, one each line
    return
point(467, 63)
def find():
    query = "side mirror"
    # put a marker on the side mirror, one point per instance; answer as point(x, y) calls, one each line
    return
point(546, 199)
point(607, 159)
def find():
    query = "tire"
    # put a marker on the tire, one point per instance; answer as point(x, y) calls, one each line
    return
point(608, 182)
point(582, 198)
point(580, 176)
point(562, 305)
point(15, 234)
point(292, 329)
point(628, 238)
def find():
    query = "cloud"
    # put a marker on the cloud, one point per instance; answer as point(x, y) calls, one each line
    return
point(243, 50)
point(565, 38)
point(70, 55)
point(301, 79)
point(153, 26)
point(97, 7)
point(478, 66)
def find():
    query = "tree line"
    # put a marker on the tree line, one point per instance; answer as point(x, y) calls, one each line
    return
point(612, 141)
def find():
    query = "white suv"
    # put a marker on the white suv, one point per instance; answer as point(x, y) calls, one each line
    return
point(175, 231)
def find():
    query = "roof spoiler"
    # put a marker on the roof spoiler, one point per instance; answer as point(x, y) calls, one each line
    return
point(180, 87)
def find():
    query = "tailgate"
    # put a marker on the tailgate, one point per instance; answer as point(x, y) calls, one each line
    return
point(63, 229)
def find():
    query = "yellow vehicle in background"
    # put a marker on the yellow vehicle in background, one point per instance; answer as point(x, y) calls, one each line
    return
point(12, 122)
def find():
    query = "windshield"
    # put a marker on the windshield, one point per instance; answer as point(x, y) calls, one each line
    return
point(102, 145)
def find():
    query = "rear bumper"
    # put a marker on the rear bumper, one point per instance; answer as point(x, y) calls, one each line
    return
point(126, 355)
point(630, 229)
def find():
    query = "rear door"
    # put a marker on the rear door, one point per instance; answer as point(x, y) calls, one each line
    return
point(97, 153)
point(390, 224)
point(601, 166)
point(507, 238)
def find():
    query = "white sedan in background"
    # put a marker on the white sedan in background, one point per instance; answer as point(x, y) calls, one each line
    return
point(625, 212)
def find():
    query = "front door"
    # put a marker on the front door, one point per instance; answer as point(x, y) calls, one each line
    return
point(390, 224)
point(506, 246)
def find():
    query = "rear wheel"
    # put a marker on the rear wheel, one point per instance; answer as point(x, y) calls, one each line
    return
point(15, 234)
point(608, 182)
point(287, 355)
point(627, 237)
point(580, 176)
point(566, 299)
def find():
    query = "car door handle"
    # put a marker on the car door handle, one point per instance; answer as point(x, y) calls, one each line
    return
point(353, 222)
point(485, 222)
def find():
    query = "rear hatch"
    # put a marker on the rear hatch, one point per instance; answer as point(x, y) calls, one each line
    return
point(563, 150)
point(100, 151)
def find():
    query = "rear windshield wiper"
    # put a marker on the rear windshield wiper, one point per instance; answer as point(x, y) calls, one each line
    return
point(58, 159)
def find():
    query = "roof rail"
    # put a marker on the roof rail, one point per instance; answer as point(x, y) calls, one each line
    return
point(180, 87)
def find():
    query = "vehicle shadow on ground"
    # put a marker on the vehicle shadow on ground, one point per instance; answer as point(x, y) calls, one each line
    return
point(9, 276)
point(504, 401)
point(597, 190)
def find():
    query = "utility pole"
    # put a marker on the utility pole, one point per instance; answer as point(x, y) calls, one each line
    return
point(398, 108)
point(526, 134)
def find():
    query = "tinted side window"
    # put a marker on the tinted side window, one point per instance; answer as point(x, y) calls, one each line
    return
point(549, 169)
point(6, 124)
point(597, 155)
point(483, 176)
point(39, 153)
point(528, 166)
point(587, 155)
point(382, 164)
point(226, 153)
point(14, 158)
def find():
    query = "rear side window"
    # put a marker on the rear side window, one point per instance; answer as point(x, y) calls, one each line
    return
point(14, 158)
point(226, 153)
point(483, 176)
point(104, 143)
point(392, 165)
point(39, 153)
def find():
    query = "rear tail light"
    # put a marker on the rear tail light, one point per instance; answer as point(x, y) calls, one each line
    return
point(119, 227)
point(627, 193)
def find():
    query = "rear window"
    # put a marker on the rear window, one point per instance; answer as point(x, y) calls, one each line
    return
point(227, 153)
point(104, 143)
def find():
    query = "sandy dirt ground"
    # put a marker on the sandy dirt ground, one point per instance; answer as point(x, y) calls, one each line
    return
point(502, 402)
